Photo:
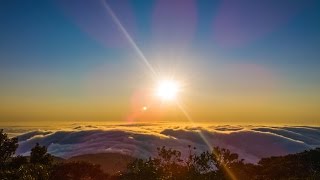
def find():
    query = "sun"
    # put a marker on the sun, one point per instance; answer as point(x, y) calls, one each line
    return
point(167, 90)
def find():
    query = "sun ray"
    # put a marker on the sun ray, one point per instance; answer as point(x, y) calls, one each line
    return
point(168, 90)
point(203, 137)
point(129, 38)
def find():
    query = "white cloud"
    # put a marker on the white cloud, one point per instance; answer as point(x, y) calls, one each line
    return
point(251, 143)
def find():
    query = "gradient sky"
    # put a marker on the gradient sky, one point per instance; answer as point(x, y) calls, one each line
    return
point(242, 61)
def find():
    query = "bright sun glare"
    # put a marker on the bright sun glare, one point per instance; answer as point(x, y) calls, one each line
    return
point(167, 90)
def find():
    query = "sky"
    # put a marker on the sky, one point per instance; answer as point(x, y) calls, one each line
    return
point(238, 62)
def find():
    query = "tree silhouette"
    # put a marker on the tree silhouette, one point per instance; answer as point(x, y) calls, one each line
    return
point(294, 166)
point(8, 147)
point(170, 165)
point(39, 155)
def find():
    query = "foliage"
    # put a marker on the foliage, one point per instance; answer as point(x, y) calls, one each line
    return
point(170, 165)
point(39, 155)
point(294, 166)
point(222, 164)
point(7, 147)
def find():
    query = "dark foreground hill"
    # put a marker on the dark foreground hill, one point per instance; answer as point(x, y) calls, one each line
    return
point(111, 163)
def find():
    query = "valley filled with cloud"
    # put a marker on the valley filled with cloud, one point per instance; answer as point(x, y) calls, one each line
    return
point(141, 140)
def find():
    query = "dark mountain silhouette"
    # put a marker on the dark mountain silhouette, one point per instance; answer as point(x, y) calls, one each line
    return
point(110, 163)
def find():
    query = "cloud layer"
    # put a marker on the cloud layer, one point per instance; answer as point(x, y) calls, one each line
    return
point(141, 140)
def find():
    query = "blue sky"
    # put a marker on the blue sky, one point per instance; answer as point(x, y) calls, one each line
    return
point(65, 42)
point(39, 33)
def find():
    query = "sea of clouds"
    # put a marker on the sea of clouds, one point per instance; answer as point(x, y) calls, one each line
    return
point(141, 140)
